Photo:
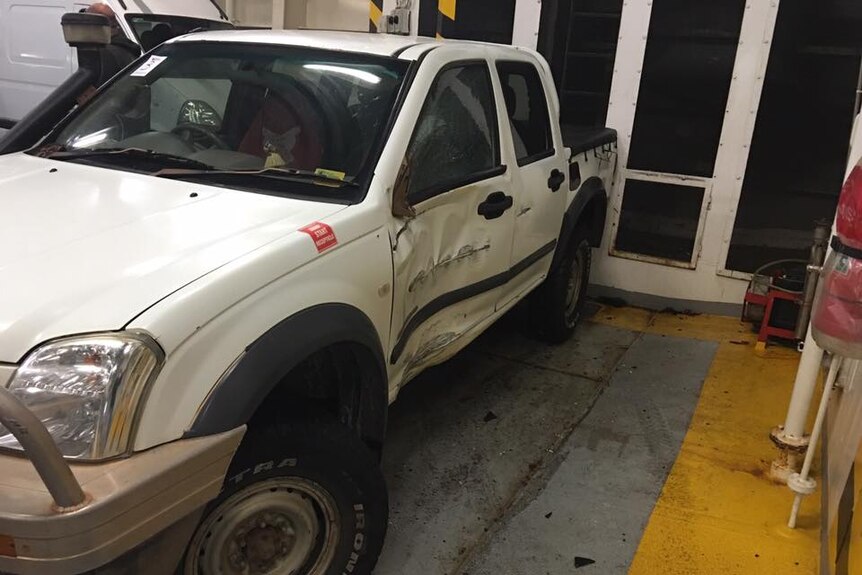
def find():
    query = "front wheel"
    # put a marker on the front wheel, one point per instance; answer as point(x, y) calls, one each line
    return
point(304, 498)
point(556, 305)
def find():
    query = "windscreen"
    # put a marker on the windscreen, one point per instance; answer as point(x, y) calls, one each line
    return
point(233, 106)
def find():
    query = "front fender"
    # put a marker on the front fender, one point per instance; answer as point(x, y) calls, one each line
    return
point(267, 361)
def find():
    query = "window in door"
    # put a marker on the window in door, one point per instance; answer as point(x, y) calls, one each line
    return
point(456, 140)
point(660, 220)
point(687, 69)
point(527, 111)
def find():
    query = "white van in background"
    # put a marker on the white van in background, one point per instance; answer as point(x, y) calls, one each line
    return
point(35, 59)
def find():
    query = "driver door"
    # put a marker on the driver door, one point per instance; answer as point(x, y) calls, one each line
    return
point(452, 254)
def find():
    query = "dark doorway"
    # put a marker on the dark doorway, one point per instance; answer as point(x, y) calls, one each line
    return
point(690, 52)
point(801, 137)
point(579, 40)
point(481, 20)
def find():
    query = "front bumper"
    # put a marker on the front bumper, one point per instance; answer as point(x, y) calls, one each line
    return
point(129, 501)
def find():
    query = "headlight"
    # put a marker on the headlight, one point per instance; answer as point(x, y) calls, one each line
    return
point(86, 391)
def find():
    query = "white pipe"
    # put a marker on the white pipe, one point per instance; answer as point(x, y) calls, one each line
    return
point(803, 388)
point(800, 483)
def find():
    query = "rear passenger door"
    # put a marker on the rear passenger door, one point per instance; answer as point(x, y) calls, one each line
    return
point(452, 254)
point(538, 158)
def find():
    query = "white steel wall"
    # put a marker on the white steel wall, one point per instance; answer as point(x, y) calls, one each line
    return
point(708, 281)
point(318, 14)
point(338, 15)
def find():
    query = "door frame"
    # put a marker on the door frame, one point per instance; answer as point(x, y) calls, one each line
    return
point(708, 281)
point(755, 43)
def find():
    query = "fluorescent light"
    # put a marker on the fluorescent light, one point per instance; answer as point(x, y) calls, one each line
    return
point(358, 74)
point(91, 139)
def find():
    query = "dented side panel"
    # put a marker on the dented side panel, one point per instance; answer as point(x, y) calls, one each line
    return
point(441, 258)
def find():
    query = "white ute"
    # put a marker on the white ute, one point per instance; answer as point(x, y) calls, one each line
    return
point(207, 304)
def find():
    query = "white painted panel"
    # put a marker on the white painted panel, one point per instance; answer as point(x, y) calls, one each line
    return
point(525, 31)
point(338, 15)
point(278, 14)
point(34, 58)
point(259, 13)
point(32, 38)
point(704, 283)
point(253, 12)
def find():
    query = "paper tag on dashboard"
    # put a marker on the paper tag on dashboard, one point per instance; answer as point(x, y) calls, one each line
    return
point(149, 65)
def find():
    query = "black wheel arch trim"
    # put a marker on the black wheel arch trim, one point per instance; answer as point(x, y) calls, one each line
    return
point(451, 298)
point(236, 397)
point(592, 189)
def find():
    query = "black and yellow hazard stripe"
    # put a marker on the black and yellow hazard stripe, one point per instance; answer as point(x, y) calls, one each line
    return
point(445, 17)
point(375, 14)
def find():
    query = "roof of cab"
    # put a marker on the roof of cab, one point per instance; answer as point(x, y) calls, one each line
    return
point(360, 42)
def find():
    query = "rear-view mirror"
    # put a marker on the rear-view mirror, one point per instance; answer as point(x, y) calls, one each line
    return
point(199, 113)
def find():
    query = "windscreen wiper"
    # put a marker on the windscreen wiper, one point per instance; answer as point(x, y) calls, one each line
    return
point(133, 153)
point(319, 177)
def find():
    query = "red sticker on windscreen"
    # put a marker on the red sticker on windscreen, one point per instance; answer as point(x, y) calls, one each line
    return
point(321, 234)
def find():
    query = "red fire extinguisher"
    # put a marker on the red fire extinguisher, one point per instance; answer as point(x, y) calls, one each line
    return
point(836, 321)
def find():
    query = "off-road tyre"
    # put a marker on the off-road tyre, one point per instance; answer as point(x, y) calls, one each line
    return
point(290, 468)
point(556, 306)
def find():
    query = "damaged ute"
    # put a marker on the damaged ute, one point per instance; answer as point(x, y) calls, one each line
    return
point(219, 271)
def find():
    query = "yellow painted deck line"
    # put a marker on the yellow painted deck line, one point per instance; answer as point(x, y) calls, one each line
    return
point(717, 512)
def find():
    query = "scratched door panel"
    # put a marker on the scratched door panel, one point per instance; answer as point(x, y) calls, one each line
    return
point(450, 267)
point(452, 255)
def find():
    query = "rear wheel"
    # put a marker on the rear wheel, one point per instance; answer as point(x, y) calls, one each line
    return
point(304, 498)
point(556, 305)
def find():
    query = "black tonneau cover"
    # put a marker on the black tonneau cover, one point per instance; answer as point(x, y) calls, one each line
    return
point(581, 139)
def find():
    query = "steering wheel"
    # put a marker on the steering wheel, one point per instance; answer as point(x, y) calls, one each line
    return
point(196, 132)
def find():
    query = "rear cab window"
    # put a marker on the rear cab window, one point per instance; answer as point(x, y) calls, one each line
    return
point(527, 111)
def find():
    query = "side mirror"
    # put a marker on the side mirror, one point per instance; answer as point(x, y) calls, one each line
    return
point(81, 29)
point(199, 113)
point(401, 207)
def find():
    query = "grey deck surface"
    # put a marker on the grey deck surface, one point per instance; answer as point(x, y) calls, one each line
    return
point(516, 457)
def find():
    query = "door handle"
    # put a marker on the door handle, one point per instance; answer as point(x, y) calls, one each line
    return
point(494, 205)
point(556, 179)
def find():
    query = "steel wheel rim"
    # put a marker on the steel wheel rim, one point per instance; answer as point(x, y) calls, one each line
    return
point(282, 526)
point(573, 288)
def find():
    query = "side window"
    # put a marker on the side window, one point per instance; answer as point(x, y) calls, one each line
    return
point(455, 141)
point(527, 110)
